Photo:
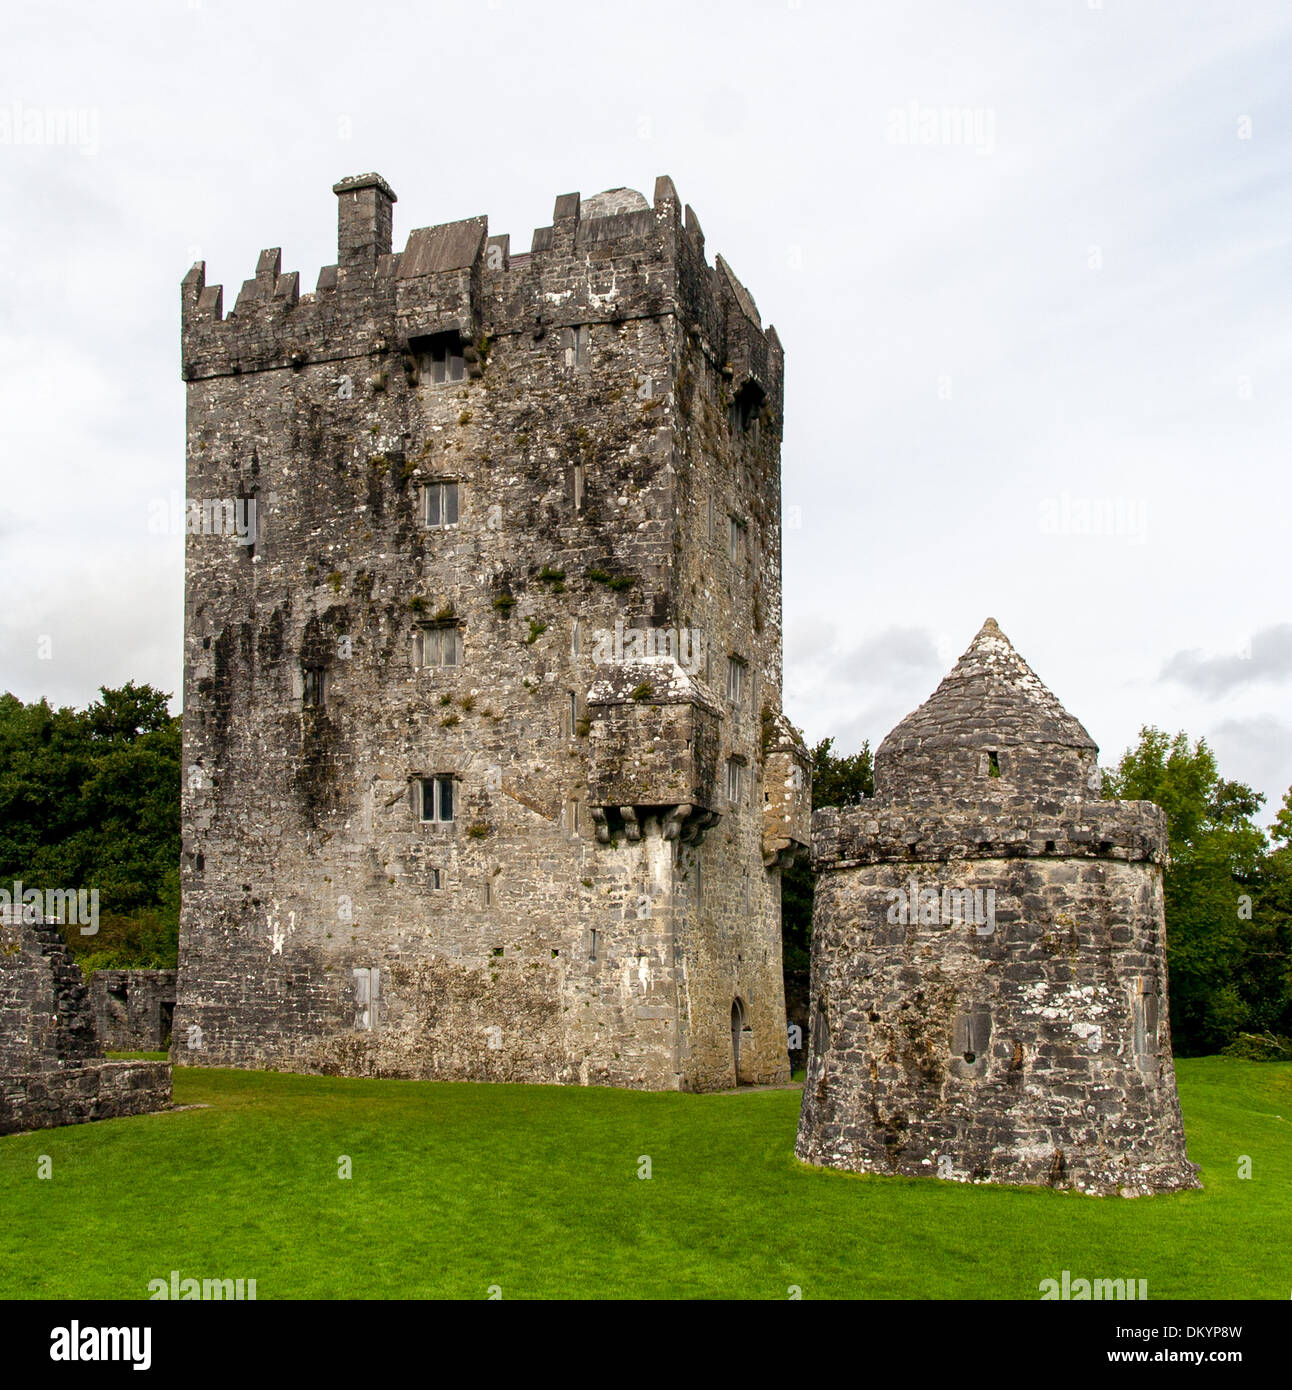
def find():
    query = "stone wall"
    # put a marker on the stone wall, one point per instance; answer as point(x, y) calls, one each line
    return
point(1027, 1041)
point(595, 909)
point(133, 1009)
point(75, 1095)
point(988, 985)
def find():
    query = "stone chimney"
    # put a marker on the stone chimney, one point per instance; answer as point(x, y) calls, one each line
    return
point(364, 219)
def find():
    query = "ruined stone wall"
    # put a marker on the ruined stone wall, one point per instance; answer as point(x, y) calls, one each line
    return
point(52, 1070)
point(133, 1009)
point(989, 996)
point(326, 925)
point(46, 1019)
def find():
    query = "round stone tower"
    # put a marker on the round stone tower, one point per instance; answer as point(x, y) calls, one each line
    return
point(989, 995)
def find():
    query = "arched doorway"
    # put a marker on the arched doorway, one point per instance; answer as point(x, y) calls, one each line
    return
point(739, 1023)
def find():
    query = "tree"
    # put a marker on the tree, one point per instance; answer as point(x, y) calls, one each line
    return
point(1227, 949)
point(91, 799)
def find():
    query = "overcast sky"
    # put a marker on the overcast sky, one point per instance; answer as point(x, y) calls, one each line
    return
point(1029, 261)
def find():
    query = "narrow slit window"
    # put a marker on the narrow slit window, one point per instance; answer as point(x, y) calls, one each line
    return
point(735, 680)
point(580, 478)
point(735, 538)
point(993, 763)
point(735, 780)
point(312, 686)
point(367, 990)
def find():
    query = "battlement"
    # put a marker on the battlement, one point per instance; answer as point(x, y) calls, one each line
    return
point(609, 258)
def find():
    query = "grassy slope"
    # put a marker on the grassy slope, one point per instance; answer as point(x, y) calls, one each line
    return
point(535, 1189)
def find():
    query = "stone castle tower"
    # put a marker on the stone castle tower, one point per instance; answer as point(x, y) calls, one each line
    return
point(988, 955)
point(486, 770)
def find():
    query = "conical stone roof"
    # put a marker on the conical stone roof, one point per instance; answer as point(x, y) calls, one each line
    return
point(992, 729)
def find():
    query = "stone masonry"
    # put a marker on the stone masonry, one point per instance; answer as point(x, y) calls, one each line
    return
point(52, 1068)
point(486, 774)
point(989, 992)
point(133, 1009)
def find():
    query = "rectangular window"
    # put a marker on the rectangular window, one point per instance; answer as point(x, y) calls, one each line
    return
point(433, 878)
point(437, 799)
point(579, 479)
point(735, 780)
point(572, 818)
point(592, 944)
point(441, 504)
point(312, 686)
point(437, 646)
point(439, 358)
point(577, 343)
point(574, 713)
point(735, 679)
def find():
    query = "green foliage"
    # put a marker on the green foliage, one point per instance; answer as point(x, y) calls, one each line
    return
point(841, 781)
point(536, 630)
point(617, 582)
point(643, 691)
point(504, 603)
point(90, 799)
point(1260, 1047)
point(1228, 899)
point(1281, 830)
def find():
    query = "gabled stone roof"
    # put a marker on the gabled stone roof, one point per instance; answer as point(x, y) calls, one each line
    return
point(991, 728)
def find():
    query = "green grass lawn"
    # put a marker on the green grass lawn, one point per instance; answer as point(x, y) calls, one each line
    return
point(535, 1189)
